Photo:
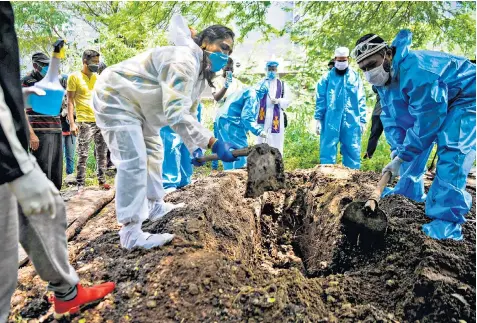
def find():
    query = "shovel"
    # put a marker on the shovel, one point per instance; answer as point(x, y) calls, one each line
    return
point(264, 167)
point(367, 216)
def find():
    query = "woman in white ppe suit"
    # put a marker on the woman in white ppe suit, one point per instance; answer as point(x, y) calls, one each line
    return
point(134, 99)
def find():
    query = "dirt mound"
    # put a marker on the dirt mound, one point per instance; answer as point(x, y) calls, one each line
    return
point(282, 257)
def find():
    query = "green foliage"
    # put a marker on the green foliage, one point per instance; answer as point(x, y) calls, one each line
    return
point(325, 25)
point(39, 24)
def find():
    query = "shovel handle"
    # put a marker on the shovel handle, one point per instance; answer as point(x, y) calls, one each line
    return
point(236, 153)
point(376, 195)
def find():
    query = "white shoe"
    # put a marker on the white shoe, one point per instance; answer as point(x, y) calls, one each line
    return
point(159, 208)
point(132, 236)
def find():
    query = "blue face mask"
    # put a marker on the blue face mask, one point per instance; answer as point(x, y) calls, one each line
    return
point(44, 70)
point(272, 75)
point(218, 61)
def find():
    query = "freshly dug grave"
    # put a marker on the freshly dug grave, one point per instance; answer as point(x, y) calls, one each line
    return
point(282, 257)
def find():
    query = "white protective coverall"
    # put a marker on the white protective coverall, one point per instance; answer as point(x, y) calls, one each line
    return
point(132, 101)
point(275, 139)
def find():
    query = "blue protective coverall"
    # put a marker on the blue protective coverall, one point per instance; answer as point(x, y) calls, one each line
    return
point(177, 167)
point(235, 118)
point(341, 108)
point(431, 98)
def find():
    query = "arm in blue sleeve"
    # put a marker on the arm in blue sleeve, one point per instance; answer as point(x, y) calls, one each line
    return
point(199, 112)
point(428, 105)
point(250, 112)
point(394, 133)
point(361, 101)
point(320, 106)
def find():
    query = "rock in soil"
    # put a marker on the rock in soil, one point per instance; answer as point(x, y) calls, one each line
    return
point(281, 257)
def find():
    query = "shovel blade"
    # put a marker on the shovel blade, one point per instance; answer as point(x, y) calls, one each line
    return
point(356, 215)
point(265, 170)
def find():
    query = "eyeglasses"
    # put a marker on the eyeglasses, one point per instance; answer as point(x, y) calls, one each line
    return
point(367, 48)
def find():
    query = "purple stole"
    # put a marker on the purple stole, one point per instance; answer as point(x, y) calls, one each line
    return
point(262, 112)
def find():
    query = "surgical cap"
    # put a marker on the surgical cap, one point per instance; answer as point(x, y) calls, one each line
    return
point(342, 52)
point(272, 63)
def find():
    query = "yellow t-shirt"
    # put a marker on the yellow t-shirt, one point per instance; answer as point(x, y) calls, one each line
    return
point(83, 86)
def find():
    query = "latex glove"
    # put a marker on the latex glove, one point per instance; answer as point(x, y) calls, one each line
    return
point(228, 79)
point(196, 154)
point(362, 126)
point(393, 167)
point(222, 149)
point(263, 134)
point(318, 127)
point(35, 193)
point(274, 101)
point(393, 154)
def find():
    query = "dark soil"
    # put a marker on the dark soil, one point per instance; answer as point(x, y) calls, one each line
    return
point(283, 257)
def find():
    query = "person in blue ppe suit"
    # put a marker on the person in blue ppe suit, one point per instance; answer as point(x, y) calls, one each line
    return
point(340, 112)
point(236, 116)
point(426, 97)
point(177, 167)
point(224, 85)
point(275, 97)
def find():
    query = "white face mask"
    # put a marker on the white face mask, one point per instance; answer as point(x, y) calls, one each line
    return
point(377, 76)
point(341, 65)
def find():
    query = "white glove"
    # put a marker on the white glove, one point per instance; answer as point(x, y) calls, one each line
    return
point(35, 193)
point(393, 154)
point(318, 127)
point(274, 101)
point(263, 134)
point(362, 127)
point(393, 167)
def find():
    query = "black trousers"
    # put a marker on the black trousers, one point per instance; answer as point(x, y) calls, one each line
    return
point(49, 156)
point(376, 131)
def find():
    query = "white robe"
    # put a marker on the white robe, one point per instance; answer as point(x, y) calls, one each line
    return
point(275, 139)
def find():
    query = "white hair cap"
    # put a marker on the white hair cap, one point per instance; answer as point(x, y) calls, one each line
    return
point(342, 52)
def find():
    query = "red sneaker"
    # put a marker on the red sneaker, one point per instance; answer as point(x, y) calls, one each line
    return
point(105, 186)
point(84, 297)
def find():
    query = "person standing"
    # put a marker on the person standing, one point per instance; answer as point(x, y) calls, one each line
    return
point(80, 87)
point(340, 112)
point(69, 140)
point(272, 104)
point(224, 84)
point(376, 127)
point(45, 130)
point(39, 224)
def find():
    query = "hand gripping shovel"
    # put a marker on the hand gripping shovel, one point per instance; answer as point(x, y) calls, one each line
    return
point(264, 167)
point(367, 216)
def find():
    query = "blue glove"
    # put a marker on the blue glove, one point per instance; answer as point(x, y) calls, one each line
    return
point(440, 229)
point(197, 154)
point(222, 149)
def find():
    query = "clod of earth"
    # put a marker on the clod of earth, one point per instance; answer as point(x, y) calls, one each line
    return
point(281, 257)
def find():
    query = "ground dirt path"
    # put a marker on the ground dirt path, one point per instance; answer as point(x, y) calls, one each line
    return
point(283, 257)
